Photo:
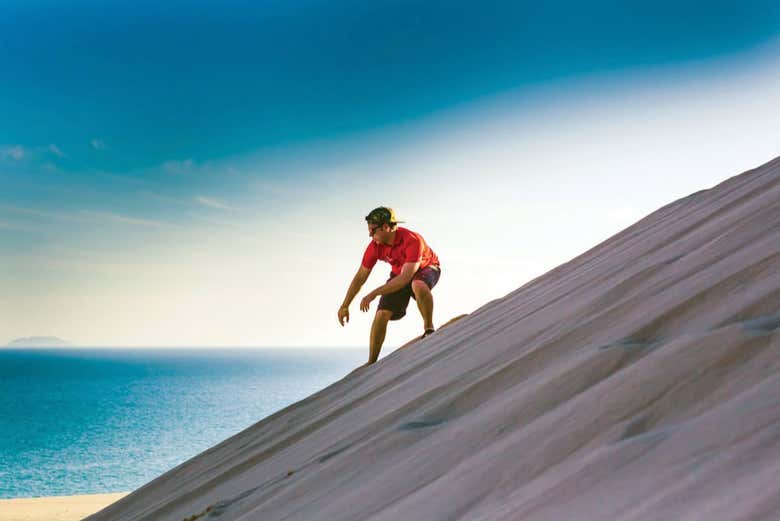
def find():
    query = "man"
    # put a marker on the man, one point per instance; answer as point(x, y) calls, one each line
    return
point(414, 272)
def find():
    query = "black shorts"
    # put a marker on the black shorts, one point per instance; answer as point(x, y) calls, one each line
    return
point(398, 301)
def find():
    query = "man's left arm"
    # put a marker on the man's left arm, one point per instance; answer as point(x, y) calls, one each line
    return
point(405, 277)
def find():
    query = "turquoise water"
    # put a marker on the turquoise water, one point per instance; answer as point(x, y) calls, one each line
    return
point(83, 421)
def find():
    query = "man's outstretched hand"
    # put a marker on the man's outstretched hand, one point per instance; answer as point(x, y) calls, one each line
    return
point(366, 301)
point(343, 314)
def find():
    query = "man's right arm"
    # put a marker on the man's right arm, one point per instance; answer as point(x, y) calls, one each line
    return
point(357, 282)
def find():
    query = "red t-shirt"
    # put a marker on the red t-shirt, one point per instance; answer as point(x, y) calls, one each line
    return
point(407, 247)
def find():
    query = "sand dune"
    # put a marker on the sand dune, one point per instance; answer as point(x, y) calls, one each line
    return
point(638, 381)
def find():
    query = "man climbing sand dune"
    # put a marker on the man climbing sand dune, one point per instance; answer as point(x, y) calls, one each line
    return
point(415, 270)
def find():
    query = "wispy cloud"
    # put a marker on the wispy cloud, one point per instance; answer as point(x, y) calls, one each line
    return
point(217, 222)
point(50, 167)
point(38, 213)
point(98, 144)
point(8, 225)
point(16, 152)
point(54, 149)
point(123, 219)
point(86, 216)
point(179, 167)
point(213, 203)
point(122, 178)
point(166, 199)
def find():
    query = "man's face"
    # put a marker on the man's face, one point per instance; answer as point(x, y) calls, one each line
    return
point(377, 232)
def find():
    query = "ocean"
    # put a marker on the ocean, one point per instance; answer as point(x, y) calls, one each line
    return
point(84, 421)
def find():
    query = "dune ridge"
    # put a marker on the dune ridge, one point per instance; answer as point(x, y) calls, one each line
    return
point(639, 381)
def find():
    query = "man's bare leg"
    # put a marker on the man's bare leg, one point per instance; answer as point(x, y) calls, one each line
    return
point(378, 330)
point(424, 297)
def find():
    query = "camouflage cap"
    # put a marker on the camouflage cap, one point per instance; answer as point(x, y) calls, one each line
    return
point(382, 215)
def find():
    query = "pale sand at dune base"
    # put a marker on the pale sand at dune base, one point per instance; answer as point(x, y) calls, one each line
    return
point(56, 508)
point(638, 382)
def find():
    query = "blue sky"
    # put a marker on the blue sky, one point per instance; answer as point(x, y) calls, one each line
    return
point(160, 80)
point(145, 146)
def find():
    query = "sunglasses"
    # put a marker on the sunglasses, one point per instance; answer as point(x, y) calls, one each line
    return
point(374, 228)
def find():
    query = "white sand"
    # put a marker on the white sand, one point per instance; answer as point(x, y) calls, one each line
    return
point(58, 508)
point(640, 381)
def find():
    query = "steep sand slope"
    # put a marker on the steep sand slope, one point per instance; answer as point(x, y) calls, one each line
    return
point(639, 381)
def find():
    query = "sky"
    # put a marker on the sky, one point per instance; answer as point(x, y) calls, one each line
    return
point(196, 173)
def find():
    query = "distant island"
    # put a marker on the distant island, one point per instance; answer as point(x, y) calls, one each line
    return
point(39, 341)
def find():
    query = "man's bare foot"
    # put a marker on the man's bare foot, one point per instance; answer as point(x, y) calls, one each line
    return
point(359, 368)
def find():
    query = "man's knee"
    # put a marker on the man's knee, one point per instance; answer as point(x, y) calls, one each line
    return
point(420, 288)
point(383, 315)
